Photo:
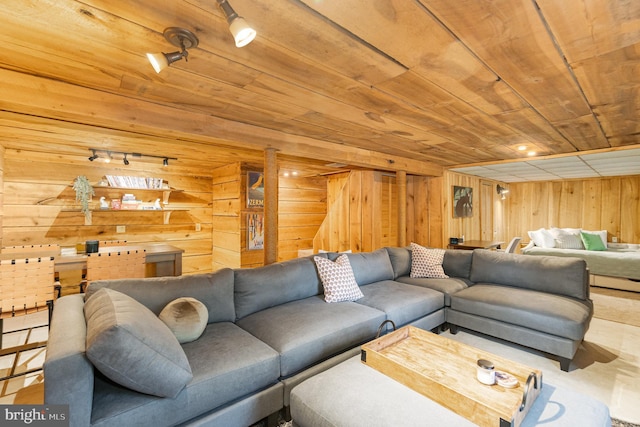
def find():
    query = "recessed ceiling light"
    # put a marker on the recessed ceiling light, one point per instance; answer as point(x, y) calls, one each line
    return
point(286, 174)
point(531, 153)
point(522, 147)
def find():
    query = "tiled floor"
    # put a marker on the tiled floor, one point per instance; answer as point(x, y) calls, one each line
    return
point(28, 388)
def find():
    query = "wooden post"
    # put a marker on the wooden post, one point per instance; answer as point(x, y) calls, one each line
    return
point(270, 206)
point(401, 183)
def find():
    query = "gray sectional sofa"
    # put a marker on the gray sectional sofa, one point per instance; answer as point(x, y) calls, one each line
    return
point(269, 328)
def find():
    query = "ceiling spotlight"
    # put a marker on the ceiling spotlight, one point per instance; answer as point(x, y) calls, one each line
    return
point(180, 37)
point(243, 34)
point(108, 158)
point(165, 162)
point(93, 156)
point(125, 161)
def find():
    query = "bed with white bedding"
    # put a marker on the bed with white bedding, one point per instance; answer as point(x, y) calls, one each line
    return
point(617, 266)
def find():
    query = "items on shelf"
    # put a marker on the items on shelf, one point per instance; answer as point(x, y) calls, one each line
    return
point(136, 182)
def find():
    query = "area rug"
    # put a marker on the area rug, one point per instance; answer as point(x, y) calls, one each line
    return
point(606, 366)
point(618, 423)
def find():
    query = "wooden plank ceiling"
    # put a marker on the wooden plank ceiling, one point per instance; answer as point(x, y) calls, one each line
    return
point(389, 84)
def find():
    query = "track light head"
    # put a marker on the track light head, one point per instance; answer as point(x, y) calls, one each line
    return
point(93, 156)
point(165, 162)
point(242, 32)
point(180, 37)
point(124, 160)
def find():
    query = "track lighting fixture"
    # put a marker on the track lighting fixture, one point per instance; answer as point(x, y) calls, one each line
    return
point(243, 34)
point(108, 155)
point(180, 37)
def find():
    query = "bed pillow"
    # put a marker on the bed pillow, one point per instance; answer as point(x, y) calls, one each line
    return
point(567, 238)
point(427, 262)
point(602, 233)
point(592, 242)
point(186, 317)
point(542, 238)
point(132, 347)
point(338, 279)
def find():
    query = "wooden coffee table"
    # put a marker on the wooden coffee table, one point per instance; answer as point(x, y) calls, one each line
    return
point(445, 371)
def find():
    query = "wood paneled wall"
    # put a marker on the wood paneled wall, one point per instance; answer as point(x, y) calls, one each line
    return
point(302, 206)
point(362, 212)
point(611, 204)
point(301, 209)
point(39, 205)
point(425, 220)
point(226, 221)
point(472, 227)
point(2, 151)
point(354, 218)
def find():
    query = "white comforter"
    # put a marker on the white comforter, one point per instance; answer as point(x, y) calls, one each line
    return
point(612, 262)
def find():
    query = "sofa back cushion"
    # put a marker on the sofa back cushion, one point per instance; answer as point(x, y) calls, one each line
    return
point(456, 263)
point(262, 287)
point(369, 267)
point(214, 290)
point(557, 275)
point(400, 259)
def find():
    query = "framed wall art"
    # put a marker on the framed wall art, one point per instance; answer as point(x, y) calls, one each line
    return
point(462, 202)
point(255, 231)
point(255, 189)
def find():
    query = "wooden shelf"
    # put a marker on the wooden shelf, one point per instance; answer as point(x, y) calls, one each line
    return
point(166, 192)
point(166, 210)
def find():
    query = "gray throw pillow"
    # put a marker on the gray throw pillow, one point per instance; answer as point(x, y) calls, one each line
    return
point(186, 317)
point(132, 347)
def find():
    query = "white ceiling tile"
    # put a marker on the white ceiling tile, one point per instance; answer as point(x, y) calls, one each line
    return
point(613, 163)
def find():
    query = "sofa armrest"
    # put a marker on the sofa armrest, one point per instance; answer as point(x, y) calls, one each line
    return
point(69, 374)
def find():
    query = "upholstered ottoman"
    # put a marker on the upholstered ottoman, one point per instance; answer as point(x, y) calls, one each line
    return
point(352, 394)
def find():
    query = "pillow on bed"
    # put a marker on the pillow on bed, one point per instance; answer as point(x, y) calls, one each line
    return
point(592, 242)
point(601, 233)
point(542, 238)
point(567, 238)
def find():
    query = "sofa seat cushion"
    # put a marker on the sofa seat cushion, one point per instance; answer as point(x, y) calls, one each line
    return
point(549, 313)
point(308, 331)
point(401, 302)
point(227, 363)
point(446, 286)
